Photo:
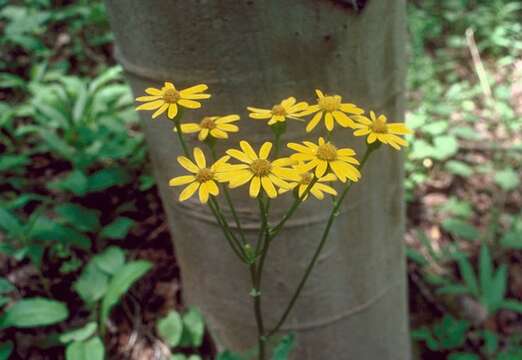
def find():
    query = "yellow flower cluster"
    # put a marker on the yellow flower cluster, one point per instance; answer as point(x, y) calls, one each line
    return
point(308, 170)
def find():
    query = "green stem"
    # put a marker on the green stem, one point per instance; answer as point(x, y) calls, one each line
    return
point(333, 214)
point(214, 207)
point(256, 294)
point(180, 137)
point(229, 201)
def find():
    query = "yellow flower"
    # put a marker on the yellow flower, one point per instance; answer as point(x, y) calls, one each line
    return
point(168, 98)
point(216, 126)
point(379, 129)
point(285, 109)
point(258, 170)
point(318, 189)
point(333, 109)
point(203, 178)
point(324, 156)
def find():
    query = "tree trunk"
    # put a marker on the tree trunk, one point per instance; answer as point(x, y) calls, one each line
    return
point(256, 53)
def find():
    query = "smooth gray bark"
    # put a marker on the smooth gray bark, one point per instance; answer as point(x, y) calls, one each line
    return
point(256, 53)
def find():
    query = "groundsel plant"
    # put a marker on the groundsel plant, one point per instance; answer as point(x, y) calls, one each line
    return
point(313, 168)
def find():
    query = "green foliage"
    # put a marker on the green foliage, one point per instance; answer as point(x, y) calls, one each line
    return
point(6, 349)
point(33, 312)
point(284, 348)
point(91, 349)
point(170, 328)
point(447, 334)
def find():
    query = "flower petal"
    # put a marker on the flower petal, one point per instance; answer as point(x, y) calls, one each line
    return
point(189, 104)
point(315, 120)
point(153, 91)
point(173, 111)
point(343, 119)
point(148, 98)
point(160, 111)
point(227, 119)
point(268, 186)
point(255, 186)
point(190, 128)
point(193, 89)
point(153, 105)
point(181, 180)
point(212, 187)
point(200, 158)
point(264, 152)
point(218, 134)
point(203, 193)
point(239, 155)
point(329, 121)
point(188, 191)
point(187, 164)
point(247, 149)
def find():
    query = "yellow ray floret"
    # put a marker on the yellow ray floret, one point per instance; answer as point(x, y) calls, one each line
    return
point(168, 98)
point(287, 108)
point(318, 188)
point(215, 126)
point(202, 177)
point(325, 156)
point(332, 109)
point(258, 170)
point(377, 128)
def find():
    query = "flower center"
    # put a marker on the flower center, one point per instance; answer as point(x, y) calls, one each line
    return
point(329, 103)
point(306, 178)
point(278, 110)
point(379, 125)
point(170, 95)
point(326, 152)
point(261, 167)
point(204, 175)
point(207, 123)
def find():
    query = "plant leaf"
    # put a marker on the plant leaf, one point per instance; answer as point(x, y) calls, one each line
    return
point(79, 334)
point(170, 328)
point(33, 312)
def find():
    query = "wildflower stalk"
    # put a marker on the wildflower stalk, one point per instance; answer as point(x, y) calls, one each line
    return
point(333, 214)
point(213, 205)
point(229, 199)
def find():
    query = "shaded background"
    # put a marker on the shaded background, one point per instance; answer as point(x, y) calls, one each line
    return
point(65, 141)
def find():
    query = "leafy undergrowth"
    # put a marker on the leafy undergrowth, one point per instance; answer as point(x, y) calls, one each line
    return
point(78, 204)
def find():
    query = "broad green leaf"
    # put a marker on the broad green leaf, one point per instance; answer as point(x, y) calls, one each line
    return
point(46, 229)
point(450, 332)
point(6, 349)
point(459, 168)
point(445, 147)
point(416, 256)
point(91, 349)
point(75, 182)
point(15, 162)
point(118, 229)
point(33, 312)
point(284, 348)
point(78, 216)
point(490, 346)
point(170, 328)
point(110, 260)
point(10, 223)
point(512, 240)
point(455, 289)
point(193, 328)
point(460, 229)
point(508, 179)
point(106, 178)
point(463, 356)
point(6, 286)
point(92, 284)
point(497, 291)
point(79, 334)
point(120, 283)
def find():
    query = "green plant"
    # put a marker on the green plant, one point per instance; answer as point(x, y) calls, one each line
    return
point(488, 286)
point(181, 331)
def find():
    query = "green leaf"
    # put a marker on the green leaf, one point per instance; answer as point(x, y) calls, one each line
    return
point(508, 179)
point(454, 289)
point(170, 328)
point(120, 283)
point(47, 230)
point(490, 342)
point(284, 348)
point(92, 349)
point(92, 284)
point(79, 217)
point(178, 357)
point(193, 328)
point(79, 334)
point(512, 305)
point(467, 273)
point(460, 229)
point(75, 182)
point(416, 256)
point(33, 312)
point(6, 286)
point(8, 162)
point(10, 223)
point(111, 260)
point(485, 269)
point(107, 178)
point(6, 349)
point(445, 146)
point(459, 168)
point(118, 229)
point(512, 240)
